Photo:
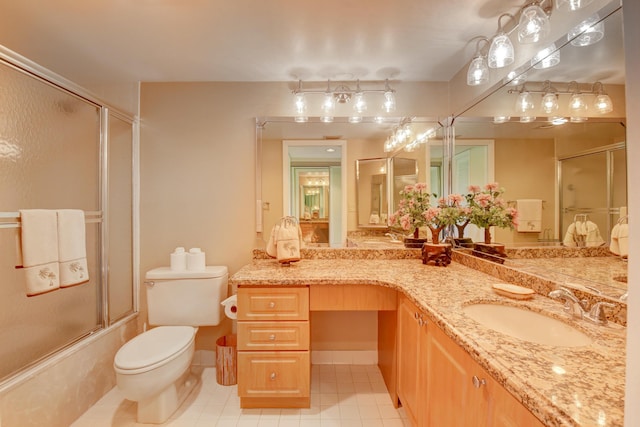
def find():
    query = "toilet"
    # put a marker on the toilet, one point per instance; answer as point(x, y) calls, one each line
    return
point(153, 369)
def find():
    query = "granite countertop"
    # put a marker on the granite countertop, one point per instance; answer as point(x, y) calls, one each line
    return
point(579, 386)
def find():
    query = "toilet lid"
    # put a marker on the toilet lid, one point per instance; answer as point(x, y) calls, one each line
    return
point(154, 346)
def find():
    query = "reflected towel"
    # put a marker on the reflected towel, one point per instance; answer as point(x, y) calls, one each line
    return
point(623, 240)
point(72, 250)
point(614, 245)
point(529, 215)
point(39, 239)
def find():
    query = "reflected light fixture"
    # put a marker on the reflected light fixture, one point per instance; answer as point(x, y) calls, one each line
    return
point(546, 58)
point(572, 5)
point(577, 104)
point(515, 78)
point(501, 119)
point(478, 72)
point(588, 32)
point(524, 103)
point(602, 103)
point(501, 51)
point(533, 25)
point(389, 104)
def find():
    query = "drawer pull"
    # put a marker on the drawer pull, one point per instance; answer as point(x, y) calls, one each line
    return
point(272, 304)
point(477, 382)
point(273, 376)
point(272, 337)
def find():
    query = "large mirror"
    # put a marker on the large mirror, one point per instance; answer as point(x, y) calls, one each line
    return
point(575, 168)
point(291, 152)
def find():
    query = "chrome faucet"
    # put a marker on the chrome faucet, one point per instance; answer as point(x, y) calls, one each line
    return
point(572, 304)
point(578, 308)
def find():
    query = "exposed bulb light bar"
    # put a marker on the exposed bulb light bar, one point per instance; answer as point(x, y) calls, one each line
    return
point(342, 94)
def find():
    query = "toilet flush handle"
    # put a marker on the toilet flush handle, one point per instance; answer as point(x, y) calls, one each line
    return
point(150, 283)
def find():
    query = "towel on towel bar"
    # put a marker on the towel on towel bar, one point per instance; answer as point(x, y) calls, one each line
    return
point(529, 215)
point(39, 234)
point(72, 250)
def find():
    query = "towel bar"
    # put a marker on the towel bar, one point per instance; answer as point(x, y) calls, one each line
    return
point(90, 217)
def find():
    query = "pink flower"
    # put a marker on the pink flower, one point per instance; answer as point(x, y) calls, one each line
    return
point(492, 186)
point(408, 188)
point(431, 213)
point(420, 186)
point(483, 199)
point(455, 199)
point(405, 222)
point(474, 189)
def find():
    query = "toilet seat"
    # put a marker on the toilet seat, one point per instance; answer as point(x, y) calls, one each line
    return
point(153, 348)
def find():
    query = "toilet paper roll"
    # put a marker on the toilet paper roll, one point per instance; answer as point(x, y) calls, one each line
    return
point(231, 307)
point(178, 260)
point(196, 260)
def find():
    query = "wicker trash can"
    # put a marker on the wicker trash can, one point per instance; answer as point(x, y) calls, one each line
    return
point(226, 359)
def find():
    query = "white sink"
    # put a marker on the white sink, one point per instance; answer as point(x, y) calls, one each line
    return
point(526, 325)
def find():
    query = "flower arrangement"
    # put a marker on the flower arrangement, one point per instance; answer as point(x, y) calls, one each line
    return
point(488, 209)
point(414, 200)
point(415, 211)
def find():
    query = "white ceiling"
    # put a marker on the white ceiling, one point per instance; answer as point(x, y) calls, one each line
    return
point(99, 42)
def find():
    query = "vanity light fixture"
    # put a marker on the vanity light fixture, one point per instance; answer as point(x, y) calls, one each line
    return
point(478, 72)
point(400, 136)
point(533, 25)
point(546, 58)
point(343, 94)
point(501, 52)
point(602, 103)
point(572, 5)
point(588, 32)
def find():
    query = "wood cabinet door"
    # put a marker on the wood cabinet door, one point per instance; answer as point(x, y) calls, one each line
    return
point(453, 399)
point(410, 335)
point(506, 410)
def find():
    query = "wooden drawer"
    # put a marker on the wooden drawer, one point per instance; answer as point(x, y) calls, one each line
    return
point(282, 303)
point(273, 335)
point(273, 374)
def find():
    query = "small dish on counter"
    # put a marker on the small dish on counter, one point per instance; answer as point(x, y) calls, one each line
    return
point(512, 291)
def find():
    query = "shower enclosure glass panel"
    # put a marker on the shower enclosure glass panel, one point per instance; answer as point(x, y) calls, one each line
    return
point(120, 177)
point(49, 159)
point(593, 186)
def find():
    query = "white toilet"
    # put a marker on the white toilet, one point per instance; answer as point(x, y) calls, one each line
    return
point(153, 368)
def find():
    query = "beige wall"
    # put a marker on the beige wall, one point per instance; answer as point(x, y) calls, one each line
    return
point(526, 168)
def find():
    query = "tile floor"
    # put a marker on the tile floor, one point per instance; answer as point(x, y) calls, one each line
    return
point(341, 395)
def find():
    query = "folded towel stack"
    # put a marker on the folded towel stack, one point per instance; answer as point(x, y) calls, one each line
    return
point(53, 249)
point(285, 241)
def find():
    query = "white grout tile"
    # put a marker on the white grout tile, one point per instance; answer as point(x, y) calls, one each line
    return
point(342, 395)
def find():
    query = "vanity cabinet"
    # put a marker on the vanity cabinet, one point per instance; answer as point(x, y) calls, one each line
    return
point(273, 347)
point(439, 384)
point(412, 354)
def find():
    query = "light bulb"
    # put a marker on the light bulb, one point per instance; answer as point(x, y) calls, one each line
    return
point(550, 103)
point(588, 32)
point(524, 103)
point(603, 104)
point(478, 72)
point(577, 108)
point(301, 108)
point(359, 104)
point(328, 107)
point(501, 52)
point(533, 25)
point(389, 104)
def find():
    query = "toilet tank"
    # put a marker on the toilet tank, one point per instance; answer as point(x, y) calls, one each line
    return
point(186, 298)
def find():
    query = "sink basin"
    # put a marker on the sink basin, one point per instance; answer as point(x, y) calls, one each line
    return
point(526, 325)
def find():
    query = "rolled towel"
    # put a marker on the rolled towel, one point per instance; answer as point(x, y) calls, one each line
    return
point(614, 245)
point(39, 239)
point(72, 249)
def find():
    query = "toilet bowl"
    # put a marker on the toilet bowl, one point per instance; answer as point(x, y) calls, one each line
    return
point(153, 369)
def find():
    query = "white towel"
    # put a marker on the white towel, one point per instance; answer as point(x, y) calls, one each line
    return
point(72, 252)
point(529, 215)
point(593, 237)
point(39, 234)
point(614, 245)
point(623, 240)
